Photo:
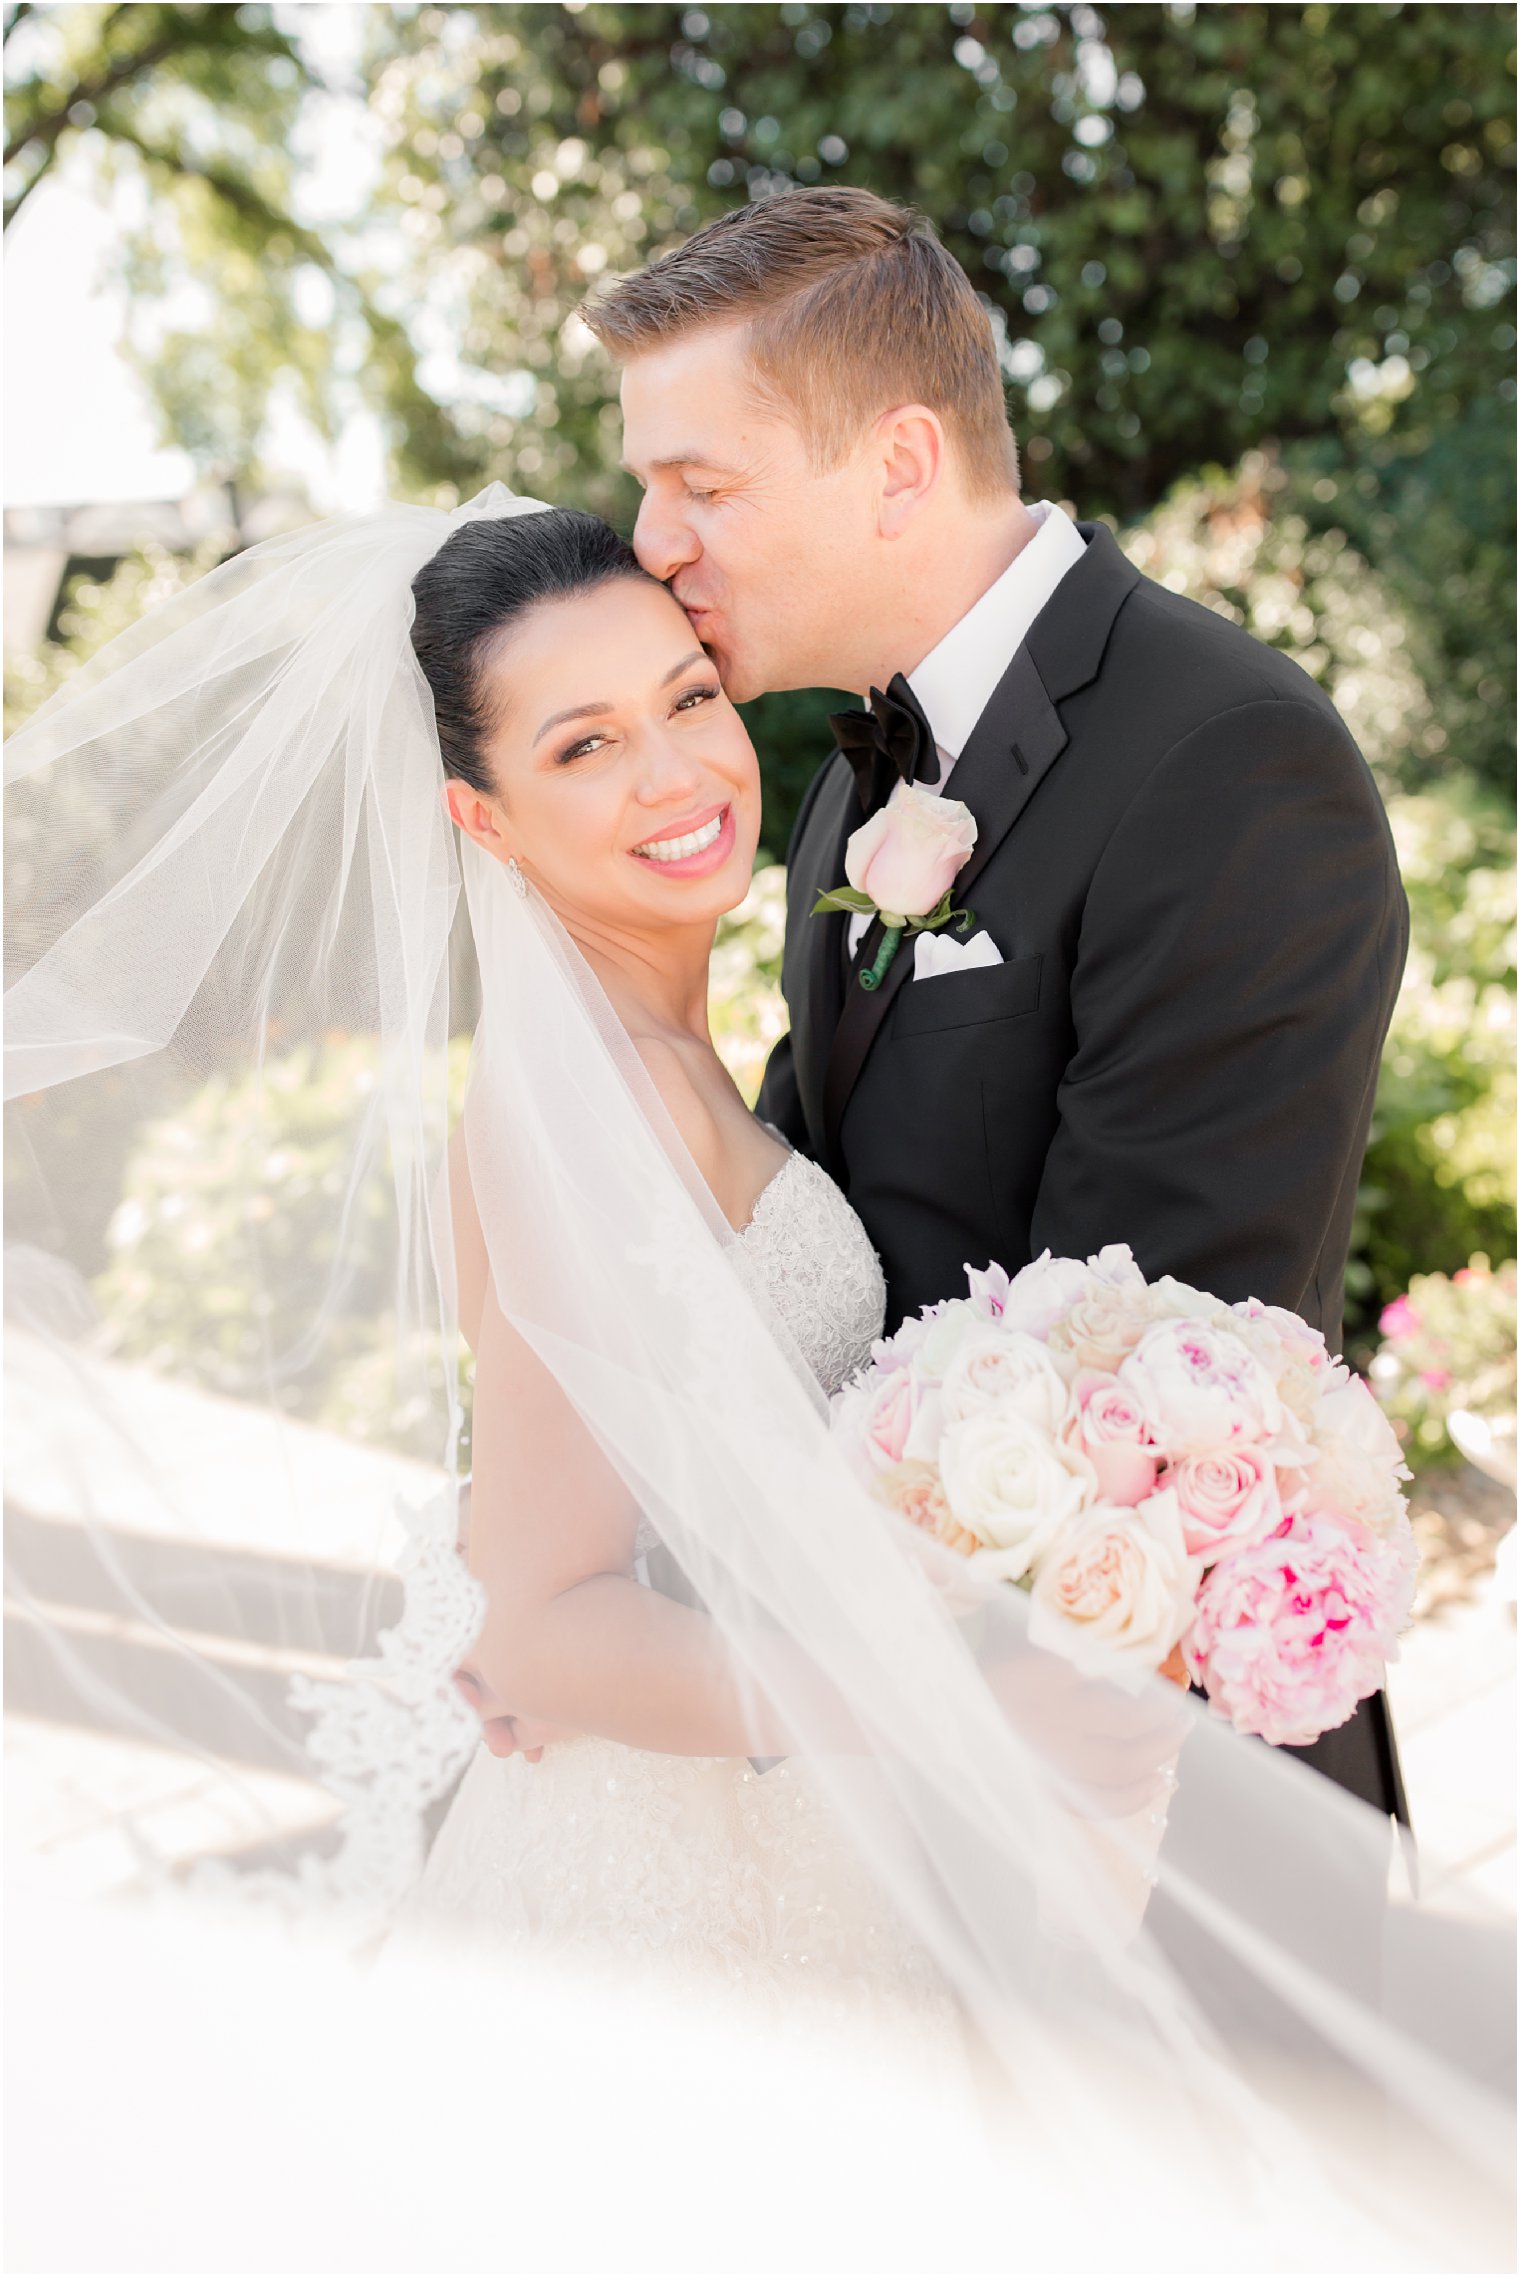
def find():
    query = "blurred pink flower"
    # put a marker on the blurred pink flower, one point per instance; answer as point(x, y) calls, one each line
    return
point(1399, 1318)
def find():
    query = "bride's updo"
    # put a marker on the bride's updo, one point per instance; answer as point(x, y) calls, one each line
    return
point(475, 587)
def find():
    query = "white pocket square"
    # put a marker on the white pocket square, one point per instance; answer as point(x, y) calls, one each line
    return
point(936, 953)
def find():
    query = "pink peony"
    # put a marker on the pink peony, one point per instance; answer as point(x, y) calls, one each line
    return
point(1204, 1387)
point(989, 1289)
point(1399, 1318)
point(1044, 1291)
point(1001, 1368)
point(1292, 1631)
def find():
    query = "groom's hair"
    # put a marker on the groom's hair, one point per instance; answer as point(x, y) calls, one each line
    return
point(852, 306)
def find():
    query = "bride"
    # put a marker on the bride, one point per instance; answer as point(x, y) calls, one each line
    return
point(810, 1760)
point(590, 750)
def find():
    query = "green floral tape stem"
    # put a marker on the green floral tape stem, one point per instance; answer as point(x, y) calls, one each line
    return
point(877, 973)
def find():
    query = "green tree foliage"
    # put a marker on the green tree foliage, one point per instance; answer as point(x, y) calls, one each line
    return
point(233, 297)
point(1196, 229)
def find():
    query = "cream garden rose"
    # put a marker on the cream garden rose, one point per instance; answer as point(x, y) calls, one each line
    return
point(1116, 1587)
point(916, 1492)
point(1104, 1326)
point(907, 855)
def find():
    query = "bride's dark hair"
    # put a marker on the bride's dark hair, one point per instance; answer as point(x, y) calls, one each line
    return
point(478, 583)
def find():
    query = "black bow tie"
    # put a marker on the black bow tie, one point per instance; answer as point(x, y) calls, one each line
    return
point(891, 743)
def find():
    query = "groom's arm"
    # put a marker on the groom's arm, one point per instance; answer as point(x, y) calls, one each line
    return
point(1240, 952)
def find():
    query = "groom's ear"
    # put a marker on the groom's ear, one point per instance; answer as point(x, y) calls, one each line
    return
point(910, 450)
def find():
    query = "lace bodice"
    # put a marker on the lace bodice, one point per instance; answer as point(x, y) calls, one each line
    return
point(810, 1255)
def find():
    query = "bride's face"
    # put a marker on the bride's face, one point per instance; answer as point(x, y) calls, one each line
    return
point(627, 789)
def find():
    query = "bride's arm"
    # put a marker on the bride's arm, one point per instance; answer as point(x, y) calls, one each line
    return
point(569, 1637)
point(470, 1262)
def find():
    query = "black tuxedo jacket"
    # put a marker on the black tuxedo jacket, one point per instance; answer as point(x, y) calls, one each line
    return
point(1185, 864)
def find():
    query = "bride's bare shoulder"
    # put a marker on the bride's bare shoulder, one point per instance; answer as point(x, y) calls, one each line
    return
point(683, 1102)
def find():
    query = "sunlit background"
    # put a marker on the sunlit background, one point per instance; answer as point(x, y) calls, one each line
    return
point(1252, 274)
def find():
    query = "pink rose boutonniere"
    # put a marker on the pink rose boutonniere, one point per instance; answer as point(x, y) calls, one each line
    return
point(901, 865)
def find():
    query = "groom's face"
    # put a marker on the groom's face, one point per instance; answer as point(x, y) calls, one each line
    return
point(769, 557)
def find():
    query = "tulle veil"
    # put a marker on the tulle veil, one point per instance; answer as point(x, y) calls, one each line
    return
point(237, 1432)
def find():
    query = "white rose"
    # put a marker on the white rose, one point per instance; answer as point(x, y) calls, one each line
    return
point(1003, 1369)
point(1014, 1486)
point(1116, 1586)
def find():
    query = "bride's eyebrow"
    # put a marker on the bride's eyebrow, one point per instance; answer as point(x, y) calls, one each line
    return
point(600, 711)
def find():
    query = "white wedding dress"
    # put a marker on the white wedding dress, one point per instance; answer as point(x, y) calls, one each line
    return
point(687, 1867)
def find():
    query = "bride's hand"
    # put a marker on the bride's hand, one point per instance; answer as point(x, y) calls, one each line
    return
point(505, 1734)
point(1112, 1752)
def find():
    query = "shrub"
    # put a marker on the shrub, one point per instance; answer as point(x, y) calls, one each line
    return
point(1448, 1344)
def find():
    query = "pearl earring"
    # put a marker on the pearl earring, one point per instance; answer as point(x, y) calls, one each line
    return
point(519, 882)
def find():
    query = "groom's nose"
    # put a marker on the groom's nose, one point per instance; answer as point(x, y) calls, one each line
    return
point(662, 539)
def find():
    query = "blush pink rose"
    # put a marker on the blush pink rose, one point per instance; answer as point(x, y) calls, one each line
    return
point(1292, 1631)
point(1226, 1499)
point(1118, 1440)
point(871, 1418)
point(907, 855)
point(889, 1418)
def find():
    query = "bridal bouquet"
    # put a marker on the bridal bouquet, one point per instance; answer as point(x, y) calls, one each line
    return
point(1181, 1485)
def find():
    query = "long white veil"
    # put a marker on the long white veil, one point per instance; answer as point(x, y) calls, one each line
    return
point(234, 1409)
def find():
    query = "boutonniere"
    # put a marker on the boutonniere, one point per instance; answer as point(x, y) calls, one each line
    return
point(902, 865)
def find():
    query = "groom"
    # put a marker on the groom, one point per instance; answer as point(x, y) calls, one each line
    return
point(1189, 931)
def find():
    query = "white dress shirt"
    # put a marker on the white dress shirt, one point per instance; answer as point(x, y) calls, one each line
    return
point(956, 680)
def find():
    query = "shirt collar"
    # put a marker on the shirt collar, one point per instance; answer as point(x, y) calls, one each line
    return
point(955, 682)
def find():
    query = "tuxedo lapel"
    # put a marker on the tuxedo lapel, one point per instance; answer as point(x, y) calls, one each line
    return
point(1014, 744)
